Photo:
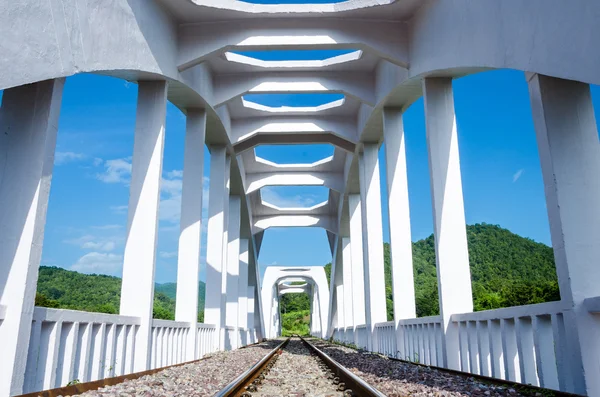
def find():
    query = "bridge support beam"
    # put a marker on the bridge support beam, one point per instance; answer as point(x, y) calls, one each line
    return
point(452, 254)
point(347, 282)
point(233, 268)
point(403, 285)
point(569, 152)
point(188, 261)
point(243, 285)
point(137, 290)
point(370, 190)
point(215, 246)
point(358, 271)
point(28, 128)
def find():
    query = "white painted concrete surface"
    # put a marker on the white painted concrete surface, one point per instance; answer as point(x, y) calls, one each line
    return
point(451, 251)
point(139, 259)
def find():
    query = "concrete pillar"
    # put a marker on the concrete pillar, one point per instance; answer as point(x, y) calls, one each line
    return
point(347, 282)
point(452, 254)
point(569, 152)
point(338, 288)
point(403, 285)
point(226, 205)
point(375, 300)
point(243, 284)
point(188, 261)
point(137, 289)
point(358, 271)
point(251, 319)
point(218, 199)
point(28, 128)
point(233, 264)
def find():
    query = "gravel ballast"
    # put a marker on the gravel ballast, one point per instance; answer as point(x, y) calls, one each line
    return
point(395, 378)
point(203, 378)
point(297, 373)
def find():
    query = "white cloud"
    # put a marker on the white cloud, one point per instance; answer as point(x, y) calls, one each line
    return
point(175, 174)
point(61, 158)
point(107, 246)
point(96, 262)
point(517, 175)
point(119, 209)
point(168, 255)
point(96, 243)
point(271, 196)
point(108, 227)
point(115, 171)
point(98, 162)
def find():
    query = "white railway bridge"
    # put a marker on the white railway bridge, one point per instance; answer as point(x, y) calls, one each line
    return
point(187, 52)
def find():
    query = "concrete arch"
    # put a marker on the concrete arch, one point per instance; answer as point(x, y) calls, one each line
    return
point(290, 8)
point(275, 274)
point(248, 133)
point(388, 41)
point(354, 84)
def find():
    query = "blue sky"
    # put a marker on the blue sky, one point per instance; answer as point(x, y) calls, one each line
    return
point(87, 213)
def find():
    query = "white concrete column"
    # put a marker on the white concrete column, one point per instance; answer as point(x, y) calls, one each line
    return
point(358, 271)
point(226, 204)
point(347, 281)
point(452, 254)
point(137, 289)
point(218, 200)
point(403, 286)
point(251, 303)
point(375, 301)
point(233, 263)
point(338, 287)
point(399, 216)
point(569, 152)
point(243, 284)
point(188, 261)
point(28, 128)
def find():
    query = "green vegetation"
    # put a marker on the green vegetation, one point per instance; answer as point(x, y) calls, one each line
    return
point(296, 322)
point(65, 289)
point(506, 270)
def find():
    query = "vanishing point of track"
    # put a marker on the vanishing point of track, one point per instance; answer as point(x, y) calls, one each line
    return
point(317, 374)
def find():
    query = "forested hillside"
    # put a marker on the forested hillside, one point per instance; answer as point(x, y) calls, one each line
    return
point(506, 270)
point(65, 289)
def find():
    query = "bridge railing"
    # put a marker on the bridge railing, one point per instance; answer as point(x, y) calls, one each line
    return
point(386, 338)
point(362, 335)
point(524, 344)
point(206, 339)
point(68, 345)
point(420, 340)
point(169, 340)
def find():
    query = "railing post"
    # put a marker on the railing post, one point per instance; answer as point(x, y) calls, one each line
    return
point(215, 245)
point(452, 254)
point(188, 261)
point(569, 151)
point(137, 290)
point(28, 128)
point(403, 286)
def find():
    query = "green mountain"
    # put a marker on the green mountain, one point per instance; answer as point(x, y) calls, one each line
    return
point(506, 270)
point(65, 289)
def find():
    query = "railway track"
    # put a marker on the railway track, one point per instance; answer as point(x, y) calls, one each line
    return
point(298, 368)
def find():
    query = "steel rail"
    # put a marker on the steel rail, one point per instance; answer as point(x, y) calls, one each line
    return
point(351, 382)
point(238, 386)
